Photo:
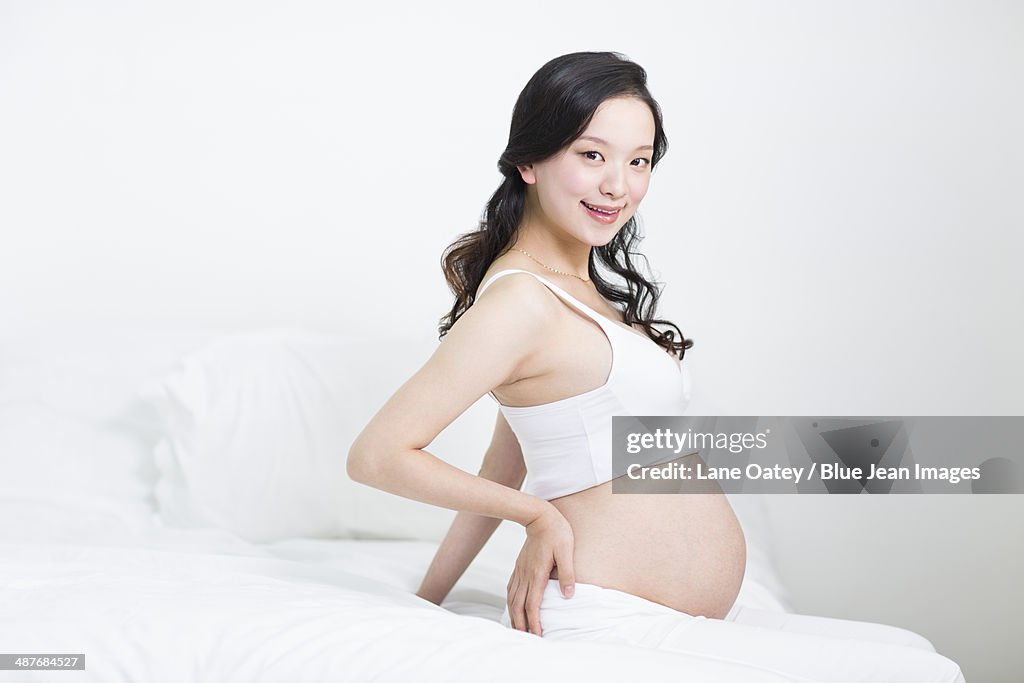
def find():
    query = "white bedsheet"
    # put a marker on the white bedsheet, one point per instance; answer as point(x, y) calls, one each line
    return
point(147, 603)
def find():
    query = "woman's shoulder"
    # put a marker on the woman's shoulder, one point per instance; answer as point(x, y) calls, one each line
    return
point(514, 275)
point(515, 297)
point(511, 316)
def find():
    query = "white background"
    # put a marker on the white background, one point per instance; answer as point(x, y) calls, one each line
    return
point(838, 220)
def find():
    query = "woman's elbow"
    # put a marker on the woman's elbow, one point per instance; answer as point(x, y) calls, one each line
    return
point(354, 467)
point(358, 464)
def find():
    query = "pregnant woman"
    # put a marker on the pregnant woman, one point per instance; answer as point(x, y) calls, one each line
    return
point(554, 321)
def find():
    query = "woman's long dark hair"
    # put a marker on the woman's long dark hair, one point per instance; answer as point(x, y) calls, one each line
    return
point(555, 108)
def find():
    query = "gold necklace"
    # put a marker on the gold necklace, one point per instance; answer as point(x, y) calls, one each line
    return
point(560, 272)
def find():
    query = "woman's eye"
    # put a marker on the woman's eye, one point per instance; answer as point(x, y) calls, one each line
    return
point(647, 162)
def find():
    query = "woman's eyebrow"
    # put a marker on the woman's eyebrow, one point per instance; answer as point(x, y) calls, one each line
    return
point(603, 142)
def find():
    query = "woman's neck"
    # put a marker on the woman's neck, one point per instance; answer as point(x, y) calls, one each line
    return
point(569, 256)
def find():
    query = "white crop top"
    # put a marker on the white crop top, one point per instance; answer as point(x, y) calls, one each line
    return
point(567, 444)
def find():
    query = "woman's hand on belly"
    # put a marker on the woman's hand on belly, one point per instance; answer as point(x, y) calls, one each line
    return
point(546, 553)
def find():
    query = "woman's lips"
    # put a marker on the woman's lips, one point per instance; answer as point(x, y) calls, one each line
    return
point(604, 218)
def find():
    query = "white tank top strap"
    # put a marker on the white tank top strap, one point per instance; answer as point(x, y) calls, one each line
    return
point(605, 324)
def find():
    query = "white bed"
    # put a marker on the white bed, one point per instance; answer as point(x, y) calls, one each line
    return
point(174, 507)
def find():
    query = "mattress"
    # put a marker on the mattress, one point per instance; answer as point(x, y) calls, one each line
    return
point(144, 602)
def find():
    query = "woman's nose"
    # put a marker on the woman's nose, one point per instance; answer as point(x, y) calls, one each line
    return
point(614, 185)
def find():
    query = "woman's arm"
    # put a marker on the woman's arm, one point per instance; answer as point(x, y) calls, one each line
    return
point(489, 345)
point(503, 463)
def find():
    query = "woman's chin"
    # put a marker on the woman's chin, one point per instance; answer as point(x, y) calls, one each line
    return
point(600, 238)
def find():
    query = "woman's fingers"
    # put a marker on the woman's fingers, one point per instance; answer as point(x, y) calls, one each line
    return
point(516, 600)
point(566, 572)
point(524, 600)
point(533, 599)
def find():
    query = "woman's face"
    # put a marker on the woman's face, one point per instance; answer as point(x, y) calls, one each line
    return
point(608, 166)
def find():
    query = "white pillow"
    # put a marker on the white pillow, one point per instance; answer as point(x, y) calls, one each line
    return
point(47, 456)
point(255, 431)
point(69, 431)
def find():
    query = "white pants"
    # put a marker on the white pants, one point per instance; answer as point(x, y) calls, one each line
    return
point(801, 648)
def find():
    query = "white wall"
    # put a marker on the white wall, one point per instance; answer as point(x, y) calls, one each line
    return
point(945, 566)
point(838, 219)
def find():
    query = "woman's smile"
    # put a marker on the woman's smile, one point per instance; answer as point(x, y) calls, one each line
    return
point(600, 216)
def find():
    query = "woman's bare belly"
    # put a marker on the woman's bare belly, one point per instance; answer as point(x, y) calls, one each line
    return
point(685, 550)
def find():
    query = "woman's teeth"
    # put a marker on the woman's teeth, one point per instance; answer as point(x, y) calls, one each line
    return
point(600, 215)
point(599, 210)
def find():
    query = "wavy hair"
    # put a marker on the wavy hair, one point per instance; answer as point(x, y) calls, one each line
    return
point(554, 109)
